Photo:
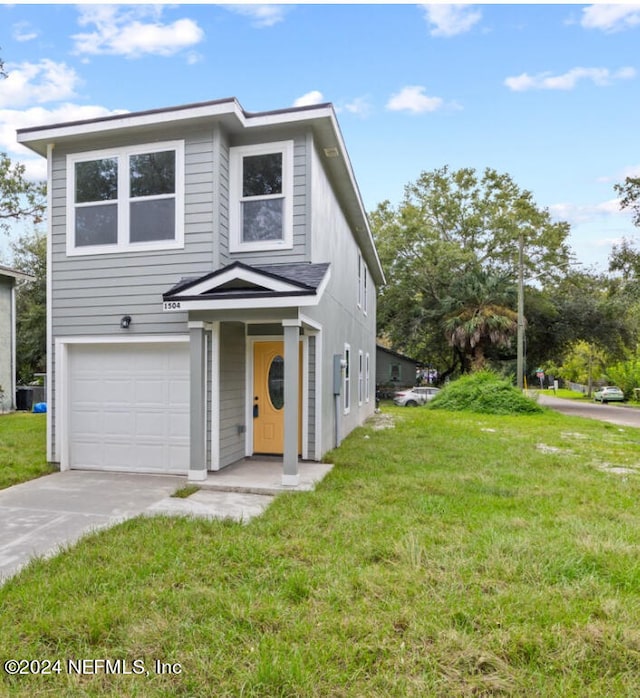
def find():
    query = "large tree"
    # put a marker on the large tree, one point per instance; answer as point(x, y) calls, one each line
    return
point(449, 225)
point(30, 256)
point(20, 199)
point(481, 319)
point(629, 190)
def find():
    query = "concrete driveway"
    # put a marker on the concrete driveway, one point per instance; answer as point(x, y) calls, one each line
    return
point(39, 517)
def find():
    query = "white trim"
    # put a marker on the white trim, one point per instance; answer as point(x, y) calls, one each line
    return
point(63, 377)
point(319, 401)
point(215, 396)
point(367, 377)
point(236, 199)
point(360, 378)
point(13, 340)
point(196, 475)
point(249, 370)
point(310, 323)
point(360, 264)
point(346, 381)
point(241, 303)
point(291, 480)
point(205, 406)
point(123, 199)
point(52, 455)
point(248, 275)
point(122, 339)
point(135, 120)
point(304, 408)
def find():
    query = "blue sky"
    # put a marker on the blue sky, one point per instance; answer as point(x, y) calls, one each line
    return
point(547, 93)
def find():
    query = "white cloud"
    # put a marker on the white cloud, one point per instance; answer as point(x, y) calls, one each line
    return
point(568, 81)
point(13, 119)
point(262, 15)
point(577, 214)
point(450, 20)
point(309, 99)
point(360, 106)
point(133, 32)
point(413, 99)
point(37, 83)
point(22, 31)
point(610, 18)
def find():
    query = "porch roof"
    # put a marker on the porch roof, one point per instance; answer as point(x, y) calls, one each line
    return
point(264, 285)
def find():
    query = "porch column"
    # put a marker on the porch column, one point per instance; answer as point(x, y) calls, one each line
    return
point(197, 457)
point(291, 329)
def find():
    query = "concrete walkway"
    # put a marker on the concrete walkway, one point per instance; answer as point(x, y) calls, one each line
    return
point(39, 517)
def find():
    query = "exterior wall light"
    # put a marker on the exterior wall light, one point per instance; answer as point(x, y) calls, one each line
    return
point(125, 321)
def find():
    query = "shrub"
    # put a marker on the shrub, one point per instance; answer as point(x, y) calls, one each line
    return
point(483, 392)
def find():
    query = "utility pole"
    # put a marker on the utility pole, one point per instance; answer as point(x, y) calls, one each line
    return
point(520, 337)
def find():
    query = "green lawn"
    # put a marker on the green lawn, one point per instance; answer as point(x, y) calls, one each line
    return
point(451, 555)
point(22, 447)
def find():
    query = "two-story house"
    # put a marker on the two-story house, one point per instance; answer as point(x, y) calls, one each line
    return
point(211, 290)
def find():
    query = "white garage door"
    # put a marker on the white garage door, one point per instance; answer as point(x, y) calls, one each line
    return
point(129, 407)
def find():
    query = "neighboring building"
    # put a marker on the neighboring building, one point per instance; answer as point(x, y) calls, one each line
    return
point(393, 370)
point(207, 268)
point(8, 280)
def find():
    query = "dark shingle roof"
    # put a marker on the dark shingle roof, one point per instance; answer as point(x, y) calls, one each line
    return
point(306, 276)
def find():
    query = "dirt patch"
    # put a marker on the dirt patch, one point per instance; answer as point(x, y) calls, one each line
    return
point(380, 421)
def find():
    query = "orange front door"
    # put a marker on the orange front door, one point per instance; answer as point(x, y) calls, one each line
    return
point(268, 397)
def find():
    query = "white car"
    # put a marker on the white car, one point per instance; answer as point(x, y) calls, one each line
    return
point(412, 397)
point(609, 394)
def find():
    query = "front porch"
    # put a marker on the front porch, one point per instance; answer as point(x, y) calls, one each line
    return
point(263, 475)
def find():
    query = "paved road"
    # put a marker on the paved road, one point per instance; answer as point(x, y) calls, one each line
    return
point(615, 414)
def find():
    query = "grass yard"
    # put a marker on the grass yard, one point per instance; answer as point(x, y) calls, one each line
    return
point(451, 555)
point(22, 447)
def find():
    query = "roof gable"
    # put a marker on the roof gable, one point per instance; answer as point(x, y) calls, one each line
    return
point(274, 285)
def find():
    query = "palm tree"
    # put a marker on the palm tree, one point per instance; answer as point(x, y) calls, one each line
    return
point(479, 316)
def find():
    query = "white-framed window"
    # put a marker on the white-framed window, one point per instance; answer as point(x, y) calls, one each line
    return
point(261, 197)
point(365, 274)
point(126, 199)
point(360, 377)
point(346, 392)
point(362, 284)
point(367, 377)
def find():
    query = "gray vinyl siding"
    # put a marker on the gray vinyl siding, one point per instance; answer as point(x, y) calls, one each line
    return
point(299, 253)
point(90, 293)
point(342, 320)
point(6, 344)
point(221, 214)
point(208, 400)
point(311, 398)
point(232, 392)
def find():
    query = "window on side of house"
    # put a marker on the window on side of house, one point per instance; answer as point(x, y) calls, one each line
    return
point(126, 199)
point(360, 377)
point(360, 270)
point(347, 379)
point(362, 284)
point(367, 377)
point(365, 274)
point(261, 197)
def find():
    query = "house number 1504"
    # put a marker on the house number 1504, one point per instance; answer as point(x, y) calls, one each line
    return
point(172, 305)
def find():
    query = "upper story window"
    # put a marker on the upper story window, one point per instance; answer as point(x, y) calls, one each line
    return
point(362, 284)
point(261, 197)
point(126, 199)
